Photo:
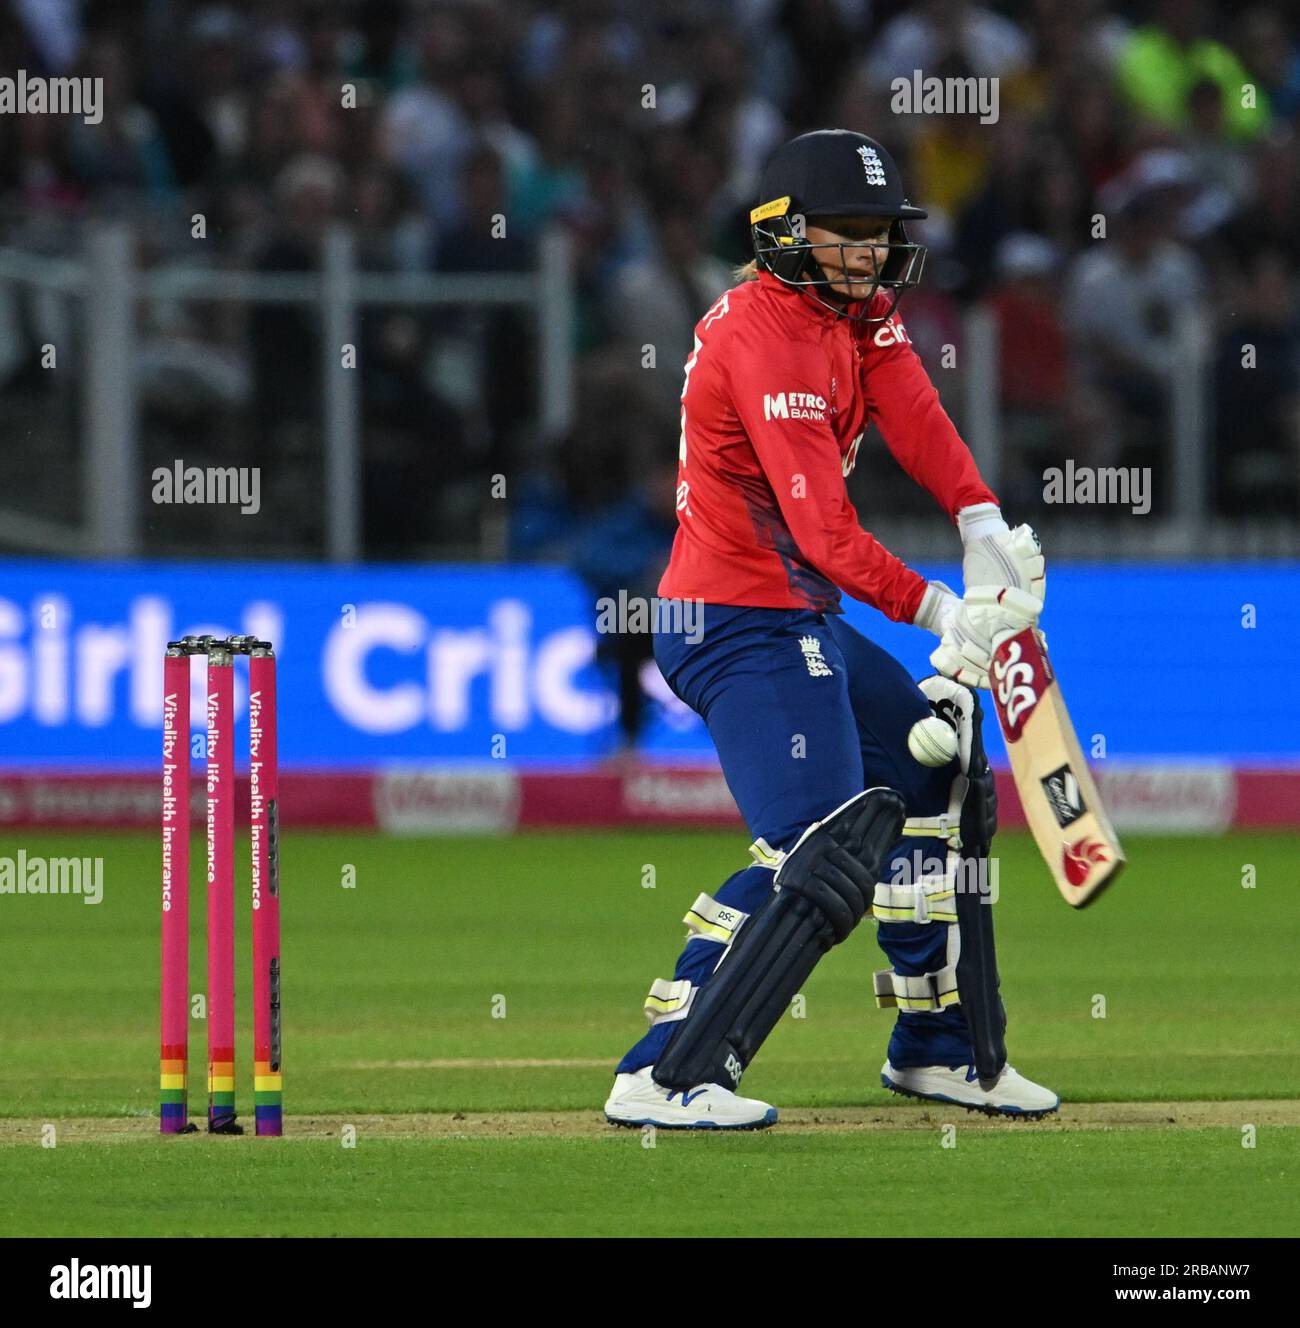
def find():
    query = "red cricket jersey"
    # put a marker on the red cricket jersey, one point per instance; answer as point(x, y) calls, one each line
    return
point(778, 393)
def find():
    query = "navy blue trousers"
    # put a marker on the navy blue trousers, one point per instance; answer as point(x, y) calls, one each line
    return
point(805, 713)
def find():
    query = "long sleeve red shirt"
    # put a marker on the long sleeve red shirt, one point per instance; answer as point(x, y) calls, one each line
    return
point(779, 391)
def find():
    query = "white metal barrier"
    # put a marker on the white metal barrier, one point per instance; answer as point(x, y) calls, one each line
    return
point(106, 280)
point(1187, 530)
point(110, 287)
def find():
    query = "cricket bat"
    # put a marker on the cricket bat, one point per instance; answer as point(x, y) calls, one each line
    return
point(1060, 799)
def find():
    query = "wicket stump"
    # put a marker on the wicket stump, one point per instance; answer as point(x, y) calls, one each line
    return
point(220, 827)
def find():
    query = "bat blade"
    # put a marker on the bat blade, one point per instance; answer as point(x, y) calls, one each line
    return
point(1062, 805)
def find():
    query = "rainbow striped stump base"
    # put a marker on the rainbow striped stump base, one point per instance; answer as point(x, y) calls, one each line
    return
point(266, 1098)
point(172, 1106)
point(221, 1094)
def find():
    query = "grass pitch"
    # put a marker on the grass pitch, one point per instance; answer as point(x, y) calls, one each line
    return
point(453, 1010)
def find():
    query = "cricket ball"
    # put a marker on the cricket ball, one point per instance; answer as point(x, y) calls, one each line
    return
point(932, 741)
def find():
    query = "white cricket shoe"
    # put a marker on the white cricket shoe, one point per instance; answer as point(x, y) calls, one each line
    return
point(636, 1099)
point(1012, 1095)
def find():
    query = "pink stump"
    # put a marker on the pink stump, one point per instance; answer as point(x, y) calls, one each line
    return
point(221, 890)
point(264, 830)
point(173, 1107)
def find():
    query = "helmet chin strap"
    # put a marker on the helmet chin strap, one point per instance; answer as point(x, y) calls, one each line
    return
point(839, 304)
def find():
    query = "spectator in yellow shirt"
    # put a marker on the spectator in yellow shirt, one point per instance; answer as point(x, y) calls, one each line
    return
point(1161, 64)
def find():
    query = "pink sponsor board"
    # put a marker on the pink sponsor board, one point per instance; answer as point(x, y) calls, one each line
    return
point(112, 800)
point(1156, 798)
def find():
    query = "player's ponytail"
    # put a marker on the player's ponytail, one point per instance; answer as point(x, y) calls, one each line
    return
point(746, 271)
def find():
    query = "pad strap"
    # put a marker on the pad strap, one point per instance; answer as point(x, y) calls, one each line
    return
point(947, 826)
point(929, 991)
point(765, 855)
point(925, 992)
point(931, 899)
point(669, 1001)
point(713, 921)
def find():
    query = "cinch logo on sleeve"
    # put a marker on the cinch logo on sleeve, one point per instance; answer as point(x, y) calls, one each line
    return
point(891, 333)
point(794, 406)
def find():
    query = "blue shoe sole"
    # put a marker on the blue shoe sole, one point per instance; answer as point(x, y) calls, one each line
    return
point(1014, 1113)
point(769, 1119)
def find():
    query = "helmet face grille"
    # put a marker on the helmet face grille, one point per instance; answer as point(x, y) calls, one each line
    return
point(789, 257)
point(834, 173)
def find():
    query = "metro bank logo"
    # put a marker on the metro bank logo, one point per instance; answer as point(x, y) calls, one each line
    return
point(794, 406)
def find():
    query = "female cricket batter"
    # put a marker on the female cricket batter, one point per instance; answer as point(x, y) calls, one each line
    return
point(787, 370)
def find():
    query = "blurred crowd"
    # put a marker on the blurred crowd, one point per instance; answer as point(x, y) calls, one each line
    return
point(640, 127)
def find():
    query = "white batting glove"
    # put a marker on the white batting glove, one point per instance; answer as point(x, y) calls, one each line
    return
point(938, 608)
point(965, 650)
point(997, 556)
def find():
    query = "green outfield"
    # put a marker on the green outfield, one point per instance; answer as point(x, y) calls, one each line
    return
point(453, 1009)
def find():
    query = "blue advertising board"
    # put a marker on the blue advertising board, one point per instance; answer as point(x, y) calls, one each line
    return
point(382, 664)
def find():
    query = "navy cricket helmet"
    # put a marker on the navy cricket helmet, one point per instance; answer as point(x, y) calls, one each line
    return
point(833, 173)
